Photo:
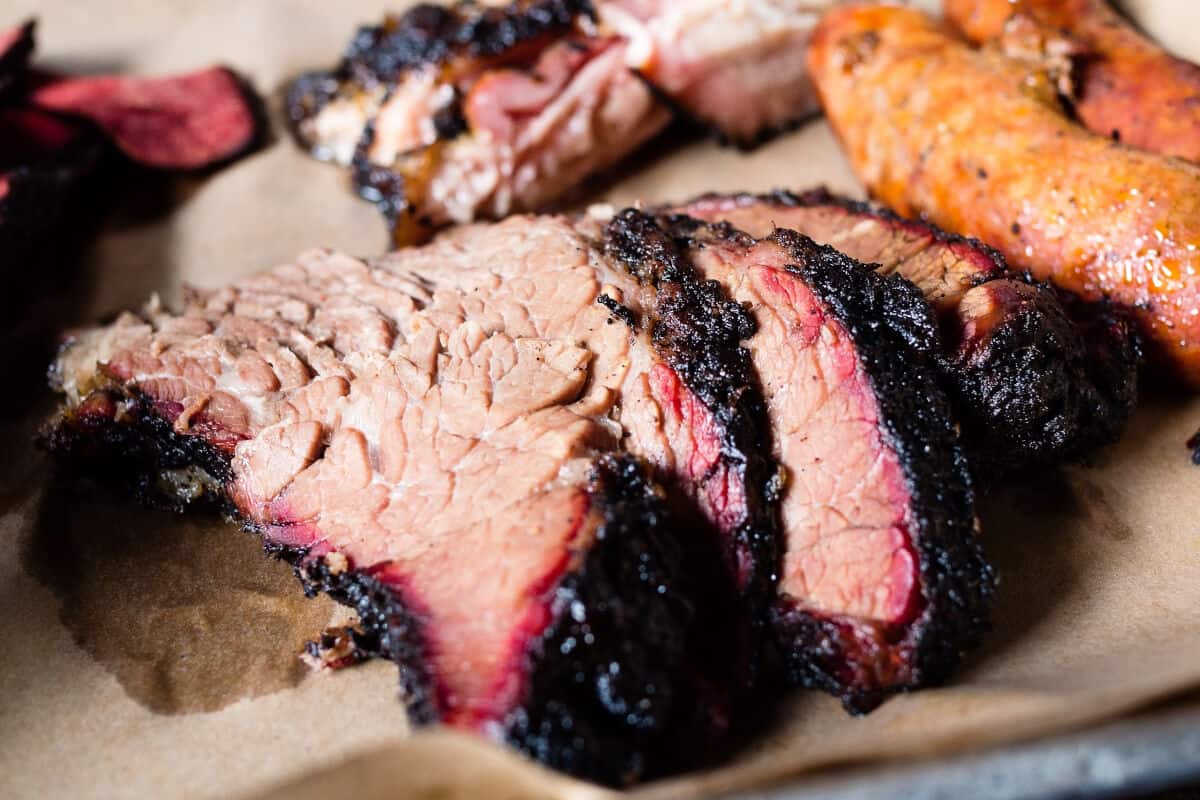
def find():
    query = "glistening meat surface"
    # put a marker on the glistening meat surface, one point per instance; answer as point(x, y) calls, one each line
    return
point(978, 145)
point(1032, 382)
point(883, 584)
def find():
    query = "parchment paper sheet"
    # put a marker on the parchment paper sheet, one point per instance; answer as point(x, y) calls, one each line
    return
point(145, 655)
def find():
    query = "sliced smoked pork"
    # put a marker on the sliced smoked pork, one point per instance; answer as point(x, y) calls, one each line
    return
point(447, 114)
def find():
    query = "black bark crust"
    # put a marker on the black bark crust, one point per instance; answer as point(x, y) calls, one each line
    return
point(1052, 382)
point(896, 338)
point(116, 438)
point(612, 695)
point(697, 330)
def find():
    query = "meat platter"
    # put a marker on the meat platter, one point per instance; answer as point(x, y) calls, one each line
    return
point(981, 469)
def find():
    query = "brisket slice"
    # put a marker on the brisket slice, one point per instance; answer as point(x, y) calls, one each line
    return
point(451, 113)
point(435, 438)
point(1036, 377)
point(883, 583)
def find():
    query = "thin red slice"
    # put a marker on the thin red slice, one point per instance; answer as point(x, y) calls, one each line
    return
point(180, 122)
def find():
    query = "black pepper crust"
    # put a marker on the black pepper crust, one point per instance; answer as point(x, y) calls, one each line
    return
point(1053, 381)
point(697, 330)
point(897, 341)
point(612, 693)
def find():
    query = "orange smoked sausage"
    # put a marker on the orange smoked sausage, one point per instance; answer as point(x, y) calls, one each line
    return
point(975, 143)
point(1127, 86)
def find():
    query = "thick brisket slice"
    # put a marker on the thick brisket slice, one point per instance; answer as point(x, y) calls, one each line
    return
point(1036, 377)
point(705, 393)
point(883, 584)
point(434, 437)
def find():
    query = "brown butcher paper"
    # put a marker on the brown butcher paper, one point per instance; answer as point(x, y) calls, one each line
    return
point(148, 655)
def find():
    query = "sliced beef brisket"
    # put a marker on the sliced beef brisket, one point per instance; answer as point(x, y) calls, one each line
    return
point(883, 583)
point(1036, 377)
point(435, 439)
point(448, 438)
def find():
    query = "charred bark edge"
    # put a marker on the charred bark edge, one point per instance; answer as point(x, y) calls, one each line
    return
point(572, 715)
point(896, 336)
point(698, 331)
point(1083, 392)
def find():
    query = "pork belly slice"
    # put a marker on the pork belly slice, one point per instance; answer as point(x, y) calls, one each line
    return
point(448, 439)
point(452, 114)
point(1036, 377)
point(737, 66)
point(883, 583)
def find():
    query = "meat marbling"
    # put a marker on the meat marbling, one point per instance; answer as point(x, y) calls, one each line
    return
point(1033, 381)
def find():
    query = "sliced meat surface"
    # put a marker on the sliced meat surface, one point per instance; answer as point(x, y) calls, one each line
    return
point(448, 114)
point(1119, 82)
point(1033, 382)
point(978, 144)
point(448, 439)
point(883, 583)
point(182, 122)
point(444, 120)
point(735, 65)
